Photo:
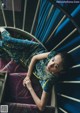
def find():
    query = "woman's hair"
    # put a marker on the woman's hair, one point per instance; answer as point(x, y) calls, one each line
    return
point(68, 61)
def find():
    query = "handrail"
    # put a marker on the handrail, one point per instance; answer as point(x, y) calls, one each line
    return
point(68, 97)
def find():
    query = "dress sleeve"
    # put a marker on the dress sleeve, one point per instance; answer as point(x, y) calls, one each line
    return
point(52, 54)
point(47, 86)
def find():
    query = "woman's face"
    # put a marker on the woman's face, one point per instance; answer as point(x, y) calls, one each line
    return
point(55, 64)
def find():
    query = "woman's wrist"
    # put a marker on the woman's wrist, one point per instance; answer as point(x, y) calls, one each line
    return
point(30, 89)
point(28, 75)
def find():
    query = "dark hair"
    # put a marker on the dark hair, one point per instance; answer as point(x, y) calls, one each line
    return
point(68, 61)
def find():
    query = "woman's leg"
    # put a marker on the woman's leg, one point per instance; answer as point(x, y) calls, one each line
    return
point(20, 42)
point(21, 46)
point(4, 32)
point(23, 42)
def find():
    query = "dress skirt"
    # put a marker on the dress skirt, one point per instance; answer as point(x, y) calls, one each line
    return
point(20, 50)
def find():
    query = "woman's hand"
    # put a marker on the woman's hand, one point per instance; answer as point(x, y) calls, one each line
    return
point(25, 79)
point(28, 84)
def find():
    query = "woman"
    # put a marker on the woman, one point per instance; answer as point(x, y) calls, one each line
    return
point(46, 66)
point(51, 69)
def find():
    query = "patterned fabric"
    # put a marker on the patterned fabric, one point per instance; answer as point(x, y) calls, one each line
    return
point(3, 53)
point(21, 51)
point(52, 54)
point(40, 67)
point(46, 79)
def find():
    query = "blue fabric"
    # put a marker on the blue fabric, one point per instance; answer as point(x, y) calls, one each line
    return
point(47, 85)
point(76, 56)
point(56, 13)
point(47, 23)
point(71, 43)
point(72, 108)
point(44, 6)
point(73, 14)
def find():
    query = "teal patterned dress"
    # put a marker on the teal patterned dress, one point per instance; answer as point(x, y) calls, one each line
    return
point(21, 51)
point(46, 79)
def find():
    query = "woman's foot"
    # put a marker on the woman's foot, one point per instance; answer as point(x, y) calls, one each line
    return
point(2, 29)
point(4, 33)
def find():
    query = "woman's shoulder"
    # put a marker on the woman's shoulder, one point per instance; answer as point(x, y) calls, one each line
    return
point(52, 54)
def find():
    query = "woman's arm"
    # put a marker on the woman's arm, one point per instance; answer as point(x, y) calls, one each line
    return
point(30, 70)
point(39, 102)
point(32, 63)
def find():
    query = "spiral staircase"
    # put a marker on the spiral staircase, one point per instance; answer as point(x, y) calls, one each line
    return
point(56, 26)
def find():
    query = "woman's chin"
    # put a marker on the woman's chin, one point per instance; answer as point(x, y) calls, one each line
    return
point(47, 68)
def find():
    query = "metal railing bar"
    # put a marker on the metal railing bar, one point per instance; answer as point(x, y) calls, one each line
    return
point(68, 97)
point(65, 38)
point(76, 66)
point(50, 11)
point(27, 33)
point(76, 82)
point(4, 18)
point(56, 27)
point(65, 12)
point(24, 15)
point(62, 110)
point(74, 49)
point(13, 13)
